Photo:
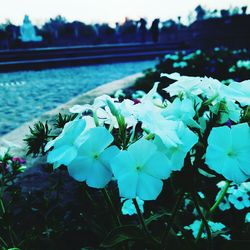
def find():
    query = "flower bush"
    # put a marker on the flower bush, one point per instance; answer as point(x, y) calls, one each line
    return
point(10, 167)
point(220, 63)
point(150, 147)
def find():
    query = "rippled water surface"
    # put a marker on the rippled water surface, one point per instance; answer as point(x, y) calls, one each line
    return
point(25, 95)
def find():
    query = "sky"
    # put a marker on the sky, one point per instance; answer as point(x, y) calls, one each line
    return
point(109, 11)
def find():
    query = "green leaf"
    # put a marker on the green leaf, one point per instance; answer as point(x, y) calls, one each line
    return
point(205, 173)
point(122, 234)
point(156, 217)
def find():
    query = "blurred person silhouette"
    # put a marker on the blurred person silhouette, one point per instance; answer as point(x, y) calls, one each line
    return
point(142, 30)
point(155, 30)
point(117, 32)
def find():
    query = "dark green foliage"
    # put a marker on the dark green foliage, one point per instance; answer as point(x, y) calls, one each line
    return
point(41, 133)
point(63, 119)
point(38, 138)
point(120, 235)
point(211, 63)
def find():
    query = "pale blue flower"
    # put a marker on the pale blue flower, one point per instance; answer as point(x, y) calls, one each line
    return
point(99, 102)
point(215, 227)
point(181, 110)
point(243, 64)
point(100, 109)
point(247, 218)
point(128, 207)
point(177, 153)
point(181, 64)
point(227, 110)
point(221, 184)
point(239, 91)
point(150, 116)
point(239, 199)
point(140, 170)
point(184, 85)
point(228, 152)
point(239, 195)
point(92, 163)
point(173, 57)
point(65, 148)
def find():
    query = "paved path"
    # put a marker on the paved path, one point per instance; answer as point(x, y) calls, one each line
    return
point(15, 138)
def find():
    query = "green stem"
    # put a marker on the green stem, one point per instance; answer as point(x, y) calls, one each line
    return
point(213, 208)
point(111, 205)
point(143, 224)
point(141, 219)
point(171, 220)
point(204, 220)
point(2, 206)
point(3, 241)
point(221, 197)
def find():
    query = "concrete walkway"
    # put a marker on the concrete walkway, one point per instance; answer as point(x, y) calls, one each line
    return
point(14, 139)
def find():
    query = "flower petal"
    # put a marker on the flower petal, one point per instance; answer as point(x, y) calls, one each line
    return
point(148, 187)
point(127, 185)
point(63, 155)
point(98, 175)
point(158, 166)
point(80, 167)
point(122, 164)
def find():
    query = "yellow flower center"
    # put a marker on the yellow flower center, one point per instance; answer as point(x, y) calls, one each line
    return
point(231, 153)
point(138, 168)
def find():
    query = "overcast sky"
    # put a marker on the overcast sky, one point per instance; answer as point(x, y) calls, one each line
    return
point(91, 11)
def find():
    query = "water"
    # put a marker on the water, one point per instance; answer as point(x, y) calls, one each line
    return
point(25, 95)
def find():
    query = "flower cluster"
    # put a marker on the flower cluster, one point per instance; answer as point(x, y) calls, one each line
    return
point(216, 228)
point(143, 143)
point(139, 144)
point(237, 195)
point(10, 165)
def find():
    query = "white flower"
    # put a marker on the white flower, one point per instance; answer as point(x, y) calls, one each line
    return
point(239, 199)
point(171, 57)
point(181, 64)
point(152, 119)
point(65, 146)
point(247, 219)
point(99, 102)
point(184, 85)
point(100, 108)
point(238, 91)
point(210, 87)
point(128, 207)
point(140, 170)
point(177, 153)
point(181, 111)
point(243, 64)
point(214, 227)
point(227, 110)
point(93, 157)
point(228, 152)
point(239, 195)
